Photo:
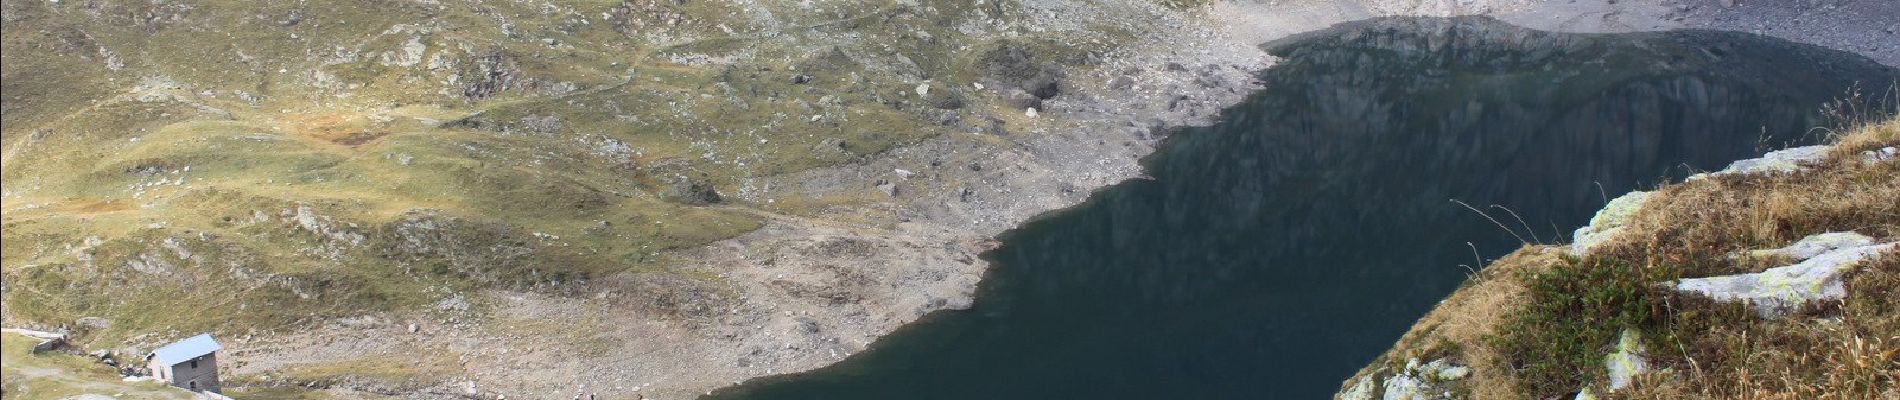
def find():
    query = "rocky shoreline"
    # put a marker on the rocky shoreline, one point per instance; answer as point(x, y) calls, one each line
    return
point(948, 196)
point(802, 292)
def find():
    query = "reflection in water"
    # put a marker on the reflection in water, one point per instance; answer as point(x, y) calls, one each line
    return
point(1277, 252)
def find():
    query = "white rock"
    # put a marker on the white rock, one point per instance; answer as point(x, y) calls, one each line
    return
point(42, 335)
point(1454, 372)
point(1404, 387)
point(1031, 112)
point(1416, 382)
point(1816, 244)
point(1784, 160)
point(1361, 390)
point(1881, 155)
point(1781, 289)
point(1608, 222)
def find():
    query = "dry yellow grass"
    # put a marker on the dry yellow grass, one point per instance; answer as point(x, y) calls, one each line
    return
point(1848, 354)
point(1839, 350)
point(1870, 137)
point(1457, 328)
point(1699, 223)
point(1704, 350)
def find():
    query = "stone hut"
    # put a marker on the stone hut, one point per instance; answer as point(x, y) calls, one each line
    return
point(191, 363)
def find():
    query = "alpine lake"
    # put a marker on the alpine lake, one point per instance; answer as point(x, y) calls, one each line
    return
point(1278, 251)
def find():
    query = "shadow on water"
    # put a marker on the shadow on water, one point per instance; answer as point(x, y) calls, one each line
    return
point(1280, 250)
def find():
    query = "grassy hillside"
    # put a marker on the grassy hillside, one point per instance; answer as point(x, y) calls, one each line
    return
point(29, 376)
point(1539, 323)
point(248, 167)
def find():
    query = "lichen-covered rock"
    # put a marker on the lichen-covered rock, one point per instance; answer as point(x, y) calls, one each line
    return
point(1779, 290)
point(1415, 382)
point(1779, 161)
point(1608, 222)
point(1784, 160)
point(1816, 244)
point(1628, 361)
point(1361, 390)
point(1453, 372)
point(1405, 387)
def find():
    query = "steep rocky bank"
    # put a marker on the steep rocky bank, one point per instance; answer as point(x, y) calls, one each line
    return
point(647, 196)
point(1772, 278)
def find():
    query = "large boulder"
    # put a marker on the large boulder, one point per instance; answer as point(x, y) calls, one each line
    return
point(1017, 65)
point(1361, 390)
point(696, 191)
point(942, 99)
point(1019, 99)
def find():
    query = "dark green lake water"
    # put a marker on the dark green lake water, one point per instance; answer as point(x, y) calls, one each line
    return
point(1280, 250)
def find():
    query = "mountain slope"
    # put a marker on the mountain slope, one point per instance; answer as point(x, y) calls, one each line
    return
point(673, 189)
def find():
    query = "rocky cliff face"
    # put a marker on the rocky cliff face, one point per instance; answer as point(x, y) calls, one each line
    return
point(1627, 112)
point(1485, 340)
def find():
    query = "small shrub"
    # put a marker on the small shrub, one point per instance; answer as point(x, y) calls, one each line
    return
point(1575, 311)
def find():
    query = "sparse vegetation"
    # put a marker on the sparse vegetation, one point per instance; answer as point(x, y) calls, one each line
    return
point(386, 370)
point(25, 375)
point(259, 167)
point(1573, 314)
point(1546, 322)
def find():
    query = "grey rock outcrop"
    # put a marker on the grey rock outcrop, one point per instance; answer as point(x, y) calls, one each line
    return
point(1793, 159)
point(1782, 161)
point(1416, 382)
point(1882, 155)
point(1815, 245)
point(1017, 98)
point(1628, 361)
point(1608, 222)
point(1017, 65)
point(1780, 290)
point(94, 323)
